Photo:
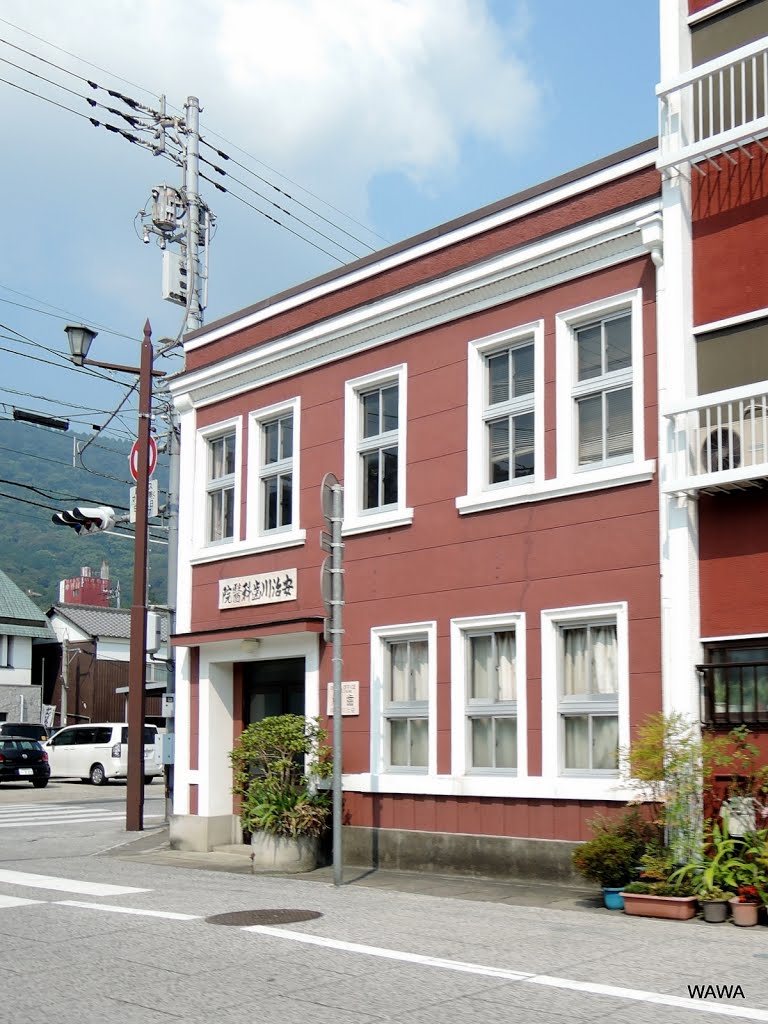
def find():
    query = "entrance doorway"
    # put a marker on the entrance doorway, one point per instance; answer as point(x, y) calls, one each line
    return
point(274, 687)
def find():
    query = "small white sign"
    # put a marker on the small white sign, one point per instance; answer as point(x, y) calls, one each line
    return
point(265, 588)
point(152, 507)
point(350, 699)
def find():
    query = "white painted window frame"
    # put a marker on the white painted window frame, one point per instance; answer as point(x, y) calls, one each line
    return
point(380, 637)
point(461, 630)
point(479, 490)
point(551, 685)
point(204, 436)
point(356, 520)
point(568, 389)
point(257, 537)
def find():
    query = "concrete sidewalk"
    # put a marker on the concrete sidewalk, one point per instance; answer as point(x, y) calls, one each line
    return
point(153, 848)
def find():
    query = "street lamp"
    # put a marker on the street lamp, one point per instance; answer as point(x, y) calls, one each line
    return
point(80, 339)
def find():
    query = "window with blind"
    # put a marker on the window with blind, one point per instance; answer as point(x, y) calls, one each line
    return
point(491, 700)
point(406, 708)
point(589, 695)
point(508, 414)
point(220, 487)
point(603, 390)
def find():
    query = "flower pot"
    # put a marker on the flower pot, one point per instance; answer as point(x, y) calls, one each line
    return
point(612, 898)
point(715, 911)
point(744, 914)
point(287, 854)
point(675, 908)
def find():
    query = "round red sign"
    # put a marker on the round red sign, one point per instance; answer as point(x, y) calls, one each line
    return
point(133, 459)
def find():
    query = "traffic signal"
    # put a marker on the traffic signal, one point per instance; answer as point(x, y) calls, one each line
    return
point(90, 519)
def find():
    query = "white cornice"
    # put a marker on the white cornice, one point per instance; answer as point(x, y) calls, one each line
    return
point(510, 275)
point(441, 241)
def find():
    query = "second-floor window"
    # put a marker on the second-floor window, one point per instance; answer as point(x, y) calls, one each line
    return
point(378, 446)
point(508, 414)
point(603, 389)
point(276, 472)
point(220, 487)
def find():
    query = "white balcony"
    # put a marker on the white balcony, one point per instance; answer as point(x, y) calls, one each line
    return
point(718, 442)
point(714, 107)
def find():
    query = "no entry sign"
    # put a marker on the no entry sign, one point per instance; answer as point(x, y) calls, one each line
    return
point(133, 458)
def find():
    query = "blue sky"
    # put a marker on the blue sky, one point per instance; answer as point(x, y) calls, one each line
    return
point(403, 113)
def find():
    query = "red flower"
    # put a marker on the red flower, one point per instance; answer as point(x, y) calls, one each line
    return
point(748, 894)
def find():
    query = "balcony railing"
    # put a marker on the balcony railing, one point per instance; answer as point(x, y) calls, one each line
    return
point(715, 106)
point(718, 442)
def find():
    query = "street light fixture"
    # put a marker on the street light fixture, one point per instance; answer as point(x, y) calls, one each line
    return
point(80, 339)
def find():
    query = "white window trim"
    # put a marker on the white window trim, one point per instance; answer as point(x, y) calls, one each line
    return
point(567, 428)
point(551, 745)
point(355, 520)
point(479, 492)
point(460, 628)
point(215, 549)
point(379, 637)
point(257, 538)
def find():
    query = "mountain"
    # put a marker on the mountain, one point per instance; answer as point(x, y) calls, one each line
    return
point(41, 473)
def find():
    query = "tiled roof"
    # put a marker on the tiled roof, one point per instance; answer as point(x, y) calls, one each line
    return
point(19, 616)
point(96, 622)
point(100, 622)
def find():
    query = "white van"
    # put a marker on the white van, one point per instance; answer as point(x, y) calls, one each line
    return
point(99, 751)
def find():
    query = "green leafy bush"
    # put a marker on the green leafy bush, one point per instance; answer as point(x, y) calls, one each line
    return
point(607, 859)
point(277, 764)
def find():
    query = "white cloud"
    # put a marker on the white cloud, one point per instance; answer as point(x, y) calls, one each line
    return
point(335, 91)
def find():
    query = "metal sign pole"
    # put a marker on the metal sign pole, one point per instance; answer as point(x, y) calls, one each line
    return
point(337, 603)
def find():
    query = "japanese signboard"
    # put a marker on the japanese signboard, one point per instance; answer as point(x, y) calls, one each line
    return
point(350, 699)
point(265, 588)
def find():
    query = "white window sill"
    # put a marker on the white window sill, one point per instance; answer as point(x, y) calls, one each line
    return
point(275, 542)
point(377, 521)
point(591, 480)
point(513, 786)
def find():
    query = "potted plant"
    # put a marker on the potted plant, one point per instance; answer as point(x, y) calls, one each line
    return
point(277, 764)
point(611, 857)
point(714, 903)
point(654, 894)
point(745, 906)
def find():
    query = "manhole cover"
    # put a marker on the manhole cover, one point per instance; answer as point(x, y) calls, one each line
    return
point(244, 918)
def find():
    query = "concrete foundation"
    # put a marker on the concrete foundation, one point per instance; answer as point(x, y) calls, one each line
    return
point(196, 834)
point(461, 854)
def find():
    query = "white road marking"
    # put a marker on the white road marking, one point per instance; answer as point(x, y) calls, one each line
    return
point(66, 884)
point(168, 915)
point(614, 991)
point(15, 901)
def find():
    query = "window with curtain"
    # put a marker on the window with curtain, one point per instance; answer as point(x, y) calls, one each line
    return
point(491, 700)
point(220, 487)
point(406, 705)
point(508, 415)
point(276, 472)
point(603, 390)
point(589, 696)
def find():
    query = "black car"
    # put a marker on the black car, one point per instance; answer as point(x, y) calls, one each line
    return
point(31, 730)
point(23, 760)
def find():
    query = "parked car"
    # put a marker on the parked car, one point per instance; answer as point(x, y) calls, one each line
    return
point(23, 760)
point(99, 751)
point(32, 730)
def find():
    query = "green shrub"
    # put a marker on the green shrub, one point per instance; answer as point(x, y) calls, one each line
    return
point(607, 859)
point(277, 763)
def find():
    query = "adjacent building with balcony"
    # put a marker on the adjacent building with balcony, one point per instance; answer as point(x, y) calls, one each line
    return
point(713, 365)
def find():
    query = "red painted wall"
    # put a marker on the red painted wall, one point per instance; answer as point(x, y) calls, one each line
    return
point(589, 548)
point(694, 6)
point(730, 236)
point(733, 563)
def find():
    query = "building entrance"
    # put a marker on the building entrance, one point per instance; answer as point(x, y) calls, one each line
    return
point(274, 687)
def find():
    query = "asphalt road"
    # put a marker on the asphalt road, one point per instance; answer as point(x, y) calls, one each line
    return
point(69, 790)
point(92, 933)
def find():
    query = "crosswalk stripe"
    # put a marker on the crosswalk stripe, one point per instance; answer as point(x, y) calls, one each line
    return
point(32, 881)
point(15, 901)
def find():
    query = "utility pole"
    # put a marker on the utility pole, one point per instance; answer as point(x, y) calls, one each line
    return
point(64, 682)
